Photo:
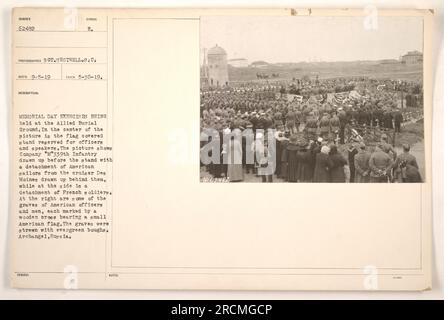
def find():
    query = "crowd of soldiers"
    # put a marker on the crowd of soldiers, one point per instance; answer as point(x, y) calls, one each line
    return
point(308, 134)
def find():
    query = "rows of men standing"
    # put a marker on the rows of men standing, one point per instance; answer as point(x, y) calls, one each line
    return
point(293, 158)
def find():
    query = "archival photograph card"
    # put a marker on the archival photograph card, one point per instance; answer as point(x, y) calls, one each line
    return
point(141, 140)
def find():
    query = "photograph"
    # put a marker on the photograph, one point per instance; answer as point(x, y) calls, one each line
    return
point(107, 189)
point(311, 99)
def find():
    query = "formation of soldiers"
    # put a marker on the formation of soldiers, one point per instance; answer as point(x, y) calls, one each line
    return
point(242, 110)
point(309, 125)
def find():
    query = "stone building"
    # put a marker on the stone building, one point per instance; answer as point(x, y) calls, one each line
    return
point(217, 67)
point(412, 57)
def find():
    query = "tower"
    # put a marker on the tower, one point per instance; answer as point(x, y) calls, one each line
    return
point(217, 67)
point(204, 70)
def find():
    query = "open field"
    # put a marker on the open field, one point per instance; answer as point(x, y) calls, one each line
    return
point(373, 69)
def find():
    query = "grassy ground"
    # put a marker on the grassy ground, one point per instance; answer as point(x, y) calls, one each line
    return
point(411, 133)
point(331, 70)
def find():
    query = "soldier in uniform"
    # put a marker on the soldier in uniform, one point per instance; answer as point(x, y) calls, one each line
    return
point(278, 119)
point(292, 159)
point(398, 120)
point(268, 120)
point(388, 119)
point(297, 119)
point(342, 123)
point(311, 127)
point(351, 115)
point(367, 116)
point(404, 161)
point(387, 147)
point(283, 156)
point(328, 108)
point(324, 125)
point(362, 166)
point(290, 120)
point(334, 126)
point(254, 120)
point(380, 164)
point(352, 152)
point(411, 172)
point(247, 138)
point(261, 121)
point(306, 109)
point(236, 123)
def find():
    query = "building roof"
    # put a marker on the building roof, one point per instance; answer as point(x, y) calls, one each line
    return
point(217, 50)
point(413, 53)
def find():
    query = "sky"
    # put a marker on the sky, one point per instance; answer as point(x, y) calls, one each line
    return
point(296, 39)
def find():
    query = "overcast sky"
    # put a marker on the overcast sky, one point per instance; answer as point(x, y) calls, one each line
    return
point(295, 39)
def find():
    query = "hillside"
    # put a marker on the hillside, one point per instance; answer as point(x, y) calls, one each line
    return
point(373, 69)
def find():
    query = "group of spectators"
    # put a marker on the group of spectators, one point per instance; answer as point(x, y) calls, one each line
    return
point(293, 158)
point(310, 132)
